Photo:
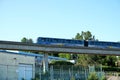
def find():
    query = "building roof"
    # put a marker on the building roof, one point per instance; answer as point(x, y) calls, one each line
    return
point(31, 54)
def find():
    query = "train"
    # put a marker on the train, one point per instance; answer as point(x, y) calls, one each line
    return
point(77, 43)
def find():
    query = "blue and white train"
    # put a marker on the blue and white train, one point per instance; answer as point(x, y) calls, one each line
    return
point(77, 43)
point(61, 42)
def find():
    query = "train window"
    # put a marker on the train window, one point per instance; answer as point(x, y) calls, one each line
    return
point(47, 40)
point(94, 43)
point(62, 41)
point(108, 43)
point(43, 39)
point(118, 44)
point(66, 41)
point(79, 42)
point(91, 42)
point(39, 39)
point(59, 40)
point(114, 44)
point(102, 43)
point(97, 43)
point(51, 40)
point(72, 41)
point(75, 42)
point(55, 40)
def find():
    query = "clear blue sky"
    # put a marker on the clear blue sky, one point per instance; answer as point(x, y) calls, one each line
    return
point(59, 18)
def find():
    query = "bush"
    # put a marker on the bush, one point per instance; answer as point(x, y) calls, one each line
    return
point(103, 78)
point(61, 63)
point(118, 74)
point(93, 76)
point(108, 68)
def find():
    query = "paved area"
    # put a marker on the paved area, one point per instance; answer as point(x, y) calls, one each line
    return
point(113, 78)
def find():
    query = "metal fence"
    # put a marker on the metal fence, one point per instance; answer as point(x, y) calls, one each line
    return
point(9, 72)
point(68, 72)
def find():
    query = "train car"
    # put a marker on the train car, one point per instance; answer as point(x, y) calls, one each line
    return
point(61, 42)
point(103, 44)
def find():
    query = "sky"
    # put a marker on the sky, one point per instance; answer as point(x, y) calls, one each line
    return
point(59, 19)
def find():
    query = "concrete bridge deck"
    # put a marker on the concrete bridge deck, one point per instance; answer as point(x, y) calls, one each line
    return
point(9, 45)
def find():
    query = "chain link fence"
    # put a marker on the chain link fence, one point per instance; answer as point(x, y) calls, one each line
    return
point(67, 73)
point(9, 72)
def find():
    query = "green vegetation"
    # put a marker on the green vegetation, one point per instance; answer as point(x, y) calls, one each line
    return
point(63, 55)
point(93, 76)
point(85, 59)
point(61, 63)
point(25, 40)
point(109, 68)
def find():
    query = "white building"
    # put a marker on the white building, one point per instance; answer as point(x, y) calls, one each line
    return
point(18, 65)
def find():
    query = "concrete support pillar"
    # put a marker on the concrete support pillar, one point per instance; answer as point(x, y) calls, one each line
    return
point(45, 62)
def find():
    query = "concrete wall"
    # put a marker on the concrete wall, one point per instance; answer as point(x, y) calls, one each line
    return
point(9, 64)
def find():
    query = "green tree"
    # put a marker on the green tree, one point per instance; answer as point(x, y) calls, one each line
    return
point(30, 40)
point(64, 55)
point(87, 35)
point(105, 60)
point(84, 59)
point(25, 40)
point(89, 59)
point(79, 36)
point(84, 36)
point(110, 60)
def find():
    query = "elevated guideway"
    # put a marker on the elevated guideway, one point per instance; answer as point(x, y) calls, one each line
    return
point(9, 45)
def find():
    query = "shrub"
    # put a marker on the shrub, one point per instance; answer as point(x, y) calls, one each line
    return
point(93, 76)
point(61, 63)
point(108, 68)
point(103, 78)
